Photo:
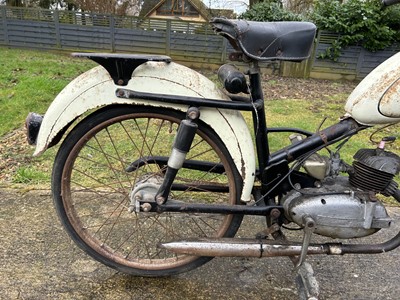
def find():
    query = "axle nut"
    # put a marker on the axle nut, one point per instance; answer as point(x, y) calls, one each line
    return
point(146, 207)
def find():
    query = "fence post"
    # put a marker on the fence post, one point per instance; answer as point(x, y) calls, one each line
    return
point(360, 62)
point(56, 17)
point(224, 50)
point(112, 33)
point(4, 17)
point(168, 38)
point(310, 61)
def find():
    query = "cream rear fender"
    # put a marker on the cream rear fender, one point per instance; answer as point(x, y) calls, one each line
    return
point(95, 88)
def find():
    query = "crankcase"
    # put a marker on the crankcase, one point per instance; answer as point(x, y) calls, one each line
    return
point(338, 211)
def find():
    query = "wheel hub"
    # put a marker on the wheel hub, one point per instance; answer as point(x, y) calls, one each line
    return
point(145, 190)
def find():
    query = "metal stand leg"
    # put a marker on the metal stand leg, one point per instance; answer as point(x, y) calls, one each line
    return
point(307, 284)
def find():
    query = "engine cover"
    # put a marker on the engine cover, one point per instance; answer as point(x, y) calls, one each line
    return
point(338, 210)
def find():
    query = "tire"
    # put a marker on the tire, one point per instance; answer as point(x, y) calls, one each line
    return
point(92, 189)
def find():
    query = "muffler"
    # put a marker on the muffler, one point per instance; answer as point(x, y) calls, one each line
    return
point(235, 247)
point(231, 247)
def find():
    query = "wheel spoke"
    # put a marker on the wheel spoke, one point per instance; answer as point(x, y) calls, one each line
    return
point(96, 192)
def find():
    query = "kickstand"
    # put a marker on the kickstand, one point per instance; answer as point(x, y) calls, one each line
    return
point(307, 284)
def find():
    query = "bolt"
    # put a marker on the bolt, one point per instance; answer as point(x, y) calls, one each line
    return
point(318, 184)
point(275, 213)
point(160, 199)
point(193, 113)
point(146, 207)
point(121, 93)
point(372, 197)
point(120, 82)
point(297, 186)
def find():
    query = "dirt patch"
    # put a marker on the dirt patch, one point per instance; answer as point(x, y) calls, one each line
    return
point(276, 87)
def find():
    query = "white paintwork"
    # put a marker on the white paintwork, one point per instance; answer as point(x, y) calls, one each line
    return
point(95, 89)
point(376, 99)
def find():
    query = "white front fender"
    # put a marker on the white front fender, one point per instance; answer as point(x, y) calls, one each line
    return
point(95, 88)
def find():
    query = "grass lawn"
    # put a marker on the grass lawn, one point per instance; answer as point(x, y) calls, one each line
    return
point(30, 80)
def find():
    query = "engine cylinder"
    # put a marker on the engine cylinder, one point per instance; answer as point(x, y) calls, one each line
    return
point(374, 169)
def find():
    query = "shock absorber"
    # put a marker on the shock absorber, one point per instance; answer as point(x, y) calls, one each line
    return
point(183, 141)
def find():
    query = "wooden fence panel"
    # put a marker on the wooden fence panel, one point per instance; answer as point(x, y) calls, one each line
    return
point(3, 29)
point(31, 34)
point(354, 61)
point(139, 41)
point(345, 65)
point(201, 48)
point(84, 38)
point(373, 59)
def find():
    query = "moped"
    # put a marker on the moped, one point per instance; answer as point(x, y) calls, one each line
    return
point(159, 167)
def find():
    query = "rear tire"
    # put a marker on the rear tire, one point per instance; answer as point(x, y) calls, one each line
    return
point(91, 189)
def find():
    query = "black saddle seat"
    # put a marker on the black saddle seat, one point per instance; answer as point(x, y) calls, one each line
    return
point(268, 40)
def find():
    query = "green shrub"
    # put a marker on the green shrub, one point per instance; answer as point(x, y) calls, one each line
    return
point(271, 11)
point(357, 22)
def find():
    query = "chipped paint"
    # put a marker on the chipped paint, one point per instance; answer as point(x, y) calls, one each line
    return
point(389, 105)
point(376, 100)
point(95, 89)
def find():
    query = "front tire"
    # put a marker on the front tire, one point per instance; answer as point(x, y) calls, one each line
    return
point(91, 189)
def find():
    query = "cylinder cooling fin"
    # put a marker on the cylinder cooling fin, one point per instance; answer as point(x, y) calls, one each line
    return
point(374, 170)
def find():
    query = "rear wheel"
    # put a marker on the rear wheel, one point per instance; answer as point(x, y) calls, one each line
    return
point(94, 193)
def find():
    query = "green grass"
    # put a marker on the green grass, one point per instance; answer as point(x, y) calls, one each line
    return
point(30, 175)
point(29, 81)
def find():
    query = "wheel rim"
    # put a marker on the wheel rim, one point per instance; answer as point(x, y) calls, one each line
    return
point(95, 192)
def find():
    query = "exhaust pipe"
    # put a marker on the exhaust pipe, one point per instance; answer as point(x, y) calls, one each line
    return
point(233, 247)
point(225, 247)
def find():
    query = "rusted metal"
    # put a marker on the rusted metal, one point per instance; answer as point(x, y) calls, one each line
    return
point(376, 98)
point(323, 136)
point(275, 213)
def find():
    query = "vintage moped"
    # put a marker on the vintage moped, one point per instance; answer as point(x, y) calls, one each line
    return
point(158, 167)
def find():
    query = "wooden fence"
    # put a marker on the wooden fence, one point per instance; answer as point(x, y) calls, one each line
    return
point(353, 63)
point(191, 43)
point(73, 31)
